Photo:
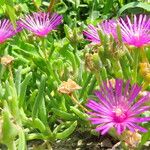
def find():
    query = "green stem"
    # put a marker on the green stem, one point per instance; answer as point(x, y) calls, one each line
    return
point(11, 146)
point(76, 102)
point(44, 48)
point(2, 71)
point(143, 54)
point(35, 5)
point(11, 79)
point(14, 101)
point(87, 81)
point(120, 73)
point(99, 76)
point(117, 68)
point(49, 65)
point(34, 136)
point(93, 7)
point(135, 67)
point(92, 85)
point(53, 74)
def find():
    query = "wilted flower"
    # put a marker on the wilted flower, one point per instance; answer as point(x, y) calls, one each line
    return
point(6, 60)
point(117, 108)
point(107, 27)
point(68, 87)
point(6, 30)
point(41, 23)
point(136, 33)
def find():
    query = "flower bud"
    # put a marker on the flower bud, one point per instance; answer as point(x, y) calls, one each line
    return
point(97, 62)
point(18, 8)
point(93, 62)
point(73, 35)
point(89, 62)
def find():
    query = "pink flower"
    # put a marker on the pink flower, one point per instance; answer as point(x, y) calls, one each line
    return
point(41, 23)
point(136, 33)
point(117, 108)
point(6, 30)
point(107, 27)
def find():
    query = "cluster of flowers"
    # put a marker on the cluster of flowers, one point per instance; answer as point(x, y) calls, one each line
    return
point(136, 33)
point(40, 24)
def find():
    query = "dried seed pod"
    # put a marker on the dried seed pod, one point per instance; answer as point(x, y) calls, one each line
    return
point(7, 60)
point(68, 87)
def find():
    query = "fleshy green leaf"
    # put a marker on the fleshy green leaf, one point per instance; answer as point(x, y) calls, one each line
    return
point(39, 97)
point(67, 131)
point(144, 6)
point(64, 115)
point(23, 89)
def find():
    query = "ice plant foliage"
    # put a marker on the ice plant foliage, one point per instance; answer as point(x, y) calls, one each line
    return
point(41, 23)
point(6, 30)
point(117, 107)
point(107, 27)
point(136, 32)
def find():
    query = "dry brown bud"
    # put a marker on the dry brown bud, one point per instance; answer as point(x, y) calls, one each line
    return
point(7, 60)
point(145, 71)
point(89, 62)
point(68, 87)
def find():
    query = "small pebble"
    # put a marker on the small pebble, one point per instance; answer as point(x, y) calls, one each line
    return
point(80, 142)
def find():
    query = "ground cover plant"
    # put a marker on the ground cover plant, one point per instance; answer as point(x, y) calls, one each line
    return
point(74, 67)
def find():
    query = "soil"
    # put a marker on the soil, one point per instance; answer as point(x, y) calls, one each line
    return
point(78, 141)
point(84, 141)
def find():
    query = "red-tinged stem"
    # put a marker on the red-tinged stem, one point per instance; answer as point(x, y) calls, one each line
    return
point(50, 7)
point(76, 102)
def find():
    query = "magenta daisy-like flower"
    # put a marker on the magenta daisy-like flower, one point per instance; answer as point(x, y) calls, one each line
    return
point(107, 27)
point(6, 30)
point(136, 32)
point(118, 107)
point(41, 23)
